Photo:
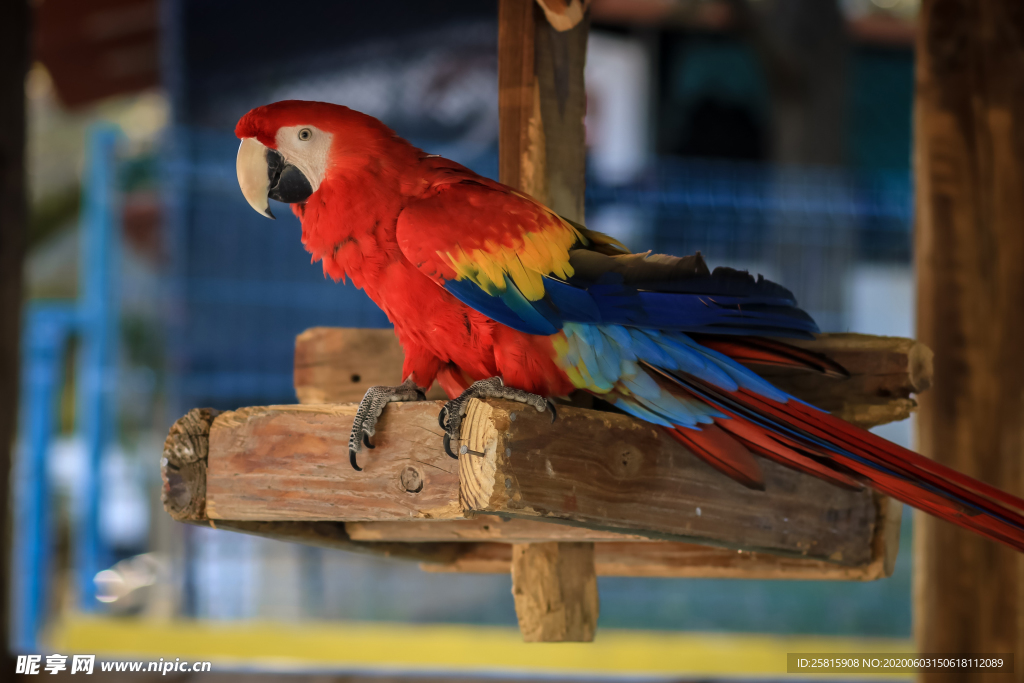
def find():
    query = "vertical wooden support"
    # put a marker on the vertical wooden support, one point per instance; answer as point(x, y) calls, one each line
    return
point(15, 50)
point(555, 589)
point(541, 102)
point(969, 167)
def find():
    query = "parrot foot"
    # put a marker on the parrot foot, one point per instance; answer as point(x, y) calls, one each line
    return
point(370, 408)
point(452, 413)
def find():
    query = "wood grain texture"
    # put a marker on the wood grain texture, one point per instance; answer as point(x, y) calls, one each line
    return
point(183, 469)
point(520, 160)
point(278, 469)
point(885, 372)
point(541, 105)
point(675, 560)
point(335, 365)
point(482, 528)
point(554, 586)
point(183, 465)
point(602, 470)
point(969, 183)
point(613, 472)
point(290, 463)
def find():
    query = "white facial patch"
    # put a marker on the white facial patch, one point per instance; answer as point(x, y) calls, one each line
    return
point(307, 148)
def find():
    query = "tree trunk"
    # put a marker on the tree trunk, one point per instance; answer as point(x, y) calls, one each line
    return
point(969, 167)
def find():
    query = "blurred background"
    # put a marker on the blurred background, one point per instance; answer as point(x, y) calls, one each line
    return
point(771, 135)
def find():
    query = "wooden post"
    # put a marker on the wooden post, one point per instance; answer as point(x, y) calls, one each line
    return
point(542, 151)
point(555, 589)
point(969, 171)
point(15, 47)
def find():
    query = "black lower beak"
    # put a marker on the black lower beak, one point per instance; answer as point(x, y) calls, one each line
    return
point(287, 183)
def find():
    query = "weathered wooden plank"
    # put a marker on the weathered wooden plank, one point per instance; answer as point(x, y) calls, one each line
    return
point(610, 471)
point(338, 368)
point(482, 528)
point(183, 469)
point(969, 248)
point(601, 470)
point(290, 463)
point(338, 364)
point(667, 559)
point(885, 372)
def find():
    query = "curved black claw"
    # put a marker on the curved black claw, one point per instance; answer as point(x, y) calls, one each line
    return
point(551, 407)
point(448, 447)
point(441, 419)
point(366, 441)
point(352, 460)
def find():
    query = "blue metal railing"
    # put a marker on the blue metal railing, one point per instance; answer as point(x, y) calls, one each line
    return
point(48, 330)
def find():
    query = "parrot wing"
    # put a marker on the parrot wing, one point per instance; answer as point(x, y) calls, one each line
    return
point(515, 261)
point(621, 328)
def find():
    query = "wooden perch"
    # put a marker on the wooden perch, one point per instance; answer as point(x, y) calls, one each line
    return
point(615, 472)
point(603, 478)
point(603, 471)
point(675, 560)
point(289, 464)
point(884, 374)
point(183, 470)
point(338, 365)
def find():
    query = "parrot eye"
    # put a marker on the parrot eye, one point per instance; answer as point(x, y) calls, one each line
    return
point(305, 134)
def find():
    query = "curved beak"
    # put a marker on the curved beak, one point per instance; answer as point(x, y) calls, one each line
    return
point(263, 174)
point(253, 177)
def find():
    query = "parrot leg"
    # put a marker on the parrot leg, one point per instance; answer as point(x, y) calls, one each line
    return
point(452, 413)
point(370, 408)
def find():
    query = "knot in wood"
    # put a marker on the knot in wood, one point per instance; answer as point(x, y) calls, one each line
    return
point(412, 480)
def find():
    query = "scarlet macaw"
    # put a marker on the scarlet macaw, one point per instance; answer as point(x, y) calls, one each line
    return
point(494, 295)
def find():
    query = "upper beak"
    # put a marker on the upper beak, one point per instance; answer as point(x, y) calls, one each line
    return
point(263, 174)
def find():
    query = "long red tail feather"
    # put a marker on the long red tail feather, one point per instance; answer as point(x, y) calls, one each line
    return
point(815, 442)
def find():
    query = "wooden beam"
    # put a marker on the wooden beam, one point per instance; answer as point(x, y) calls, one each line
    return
point(969, 180)
point(603, 471)
point(482, 528)
point(879, 368)
point(452, 545)
point(676, 560)
point(614, 472)
point(885, 375)
point(183, 469)
point(487, 540)
point(290, 463)
point(338, 365)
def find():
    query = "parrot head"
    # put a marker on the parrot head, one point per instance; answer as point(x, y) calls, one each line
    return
point(290, 148)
